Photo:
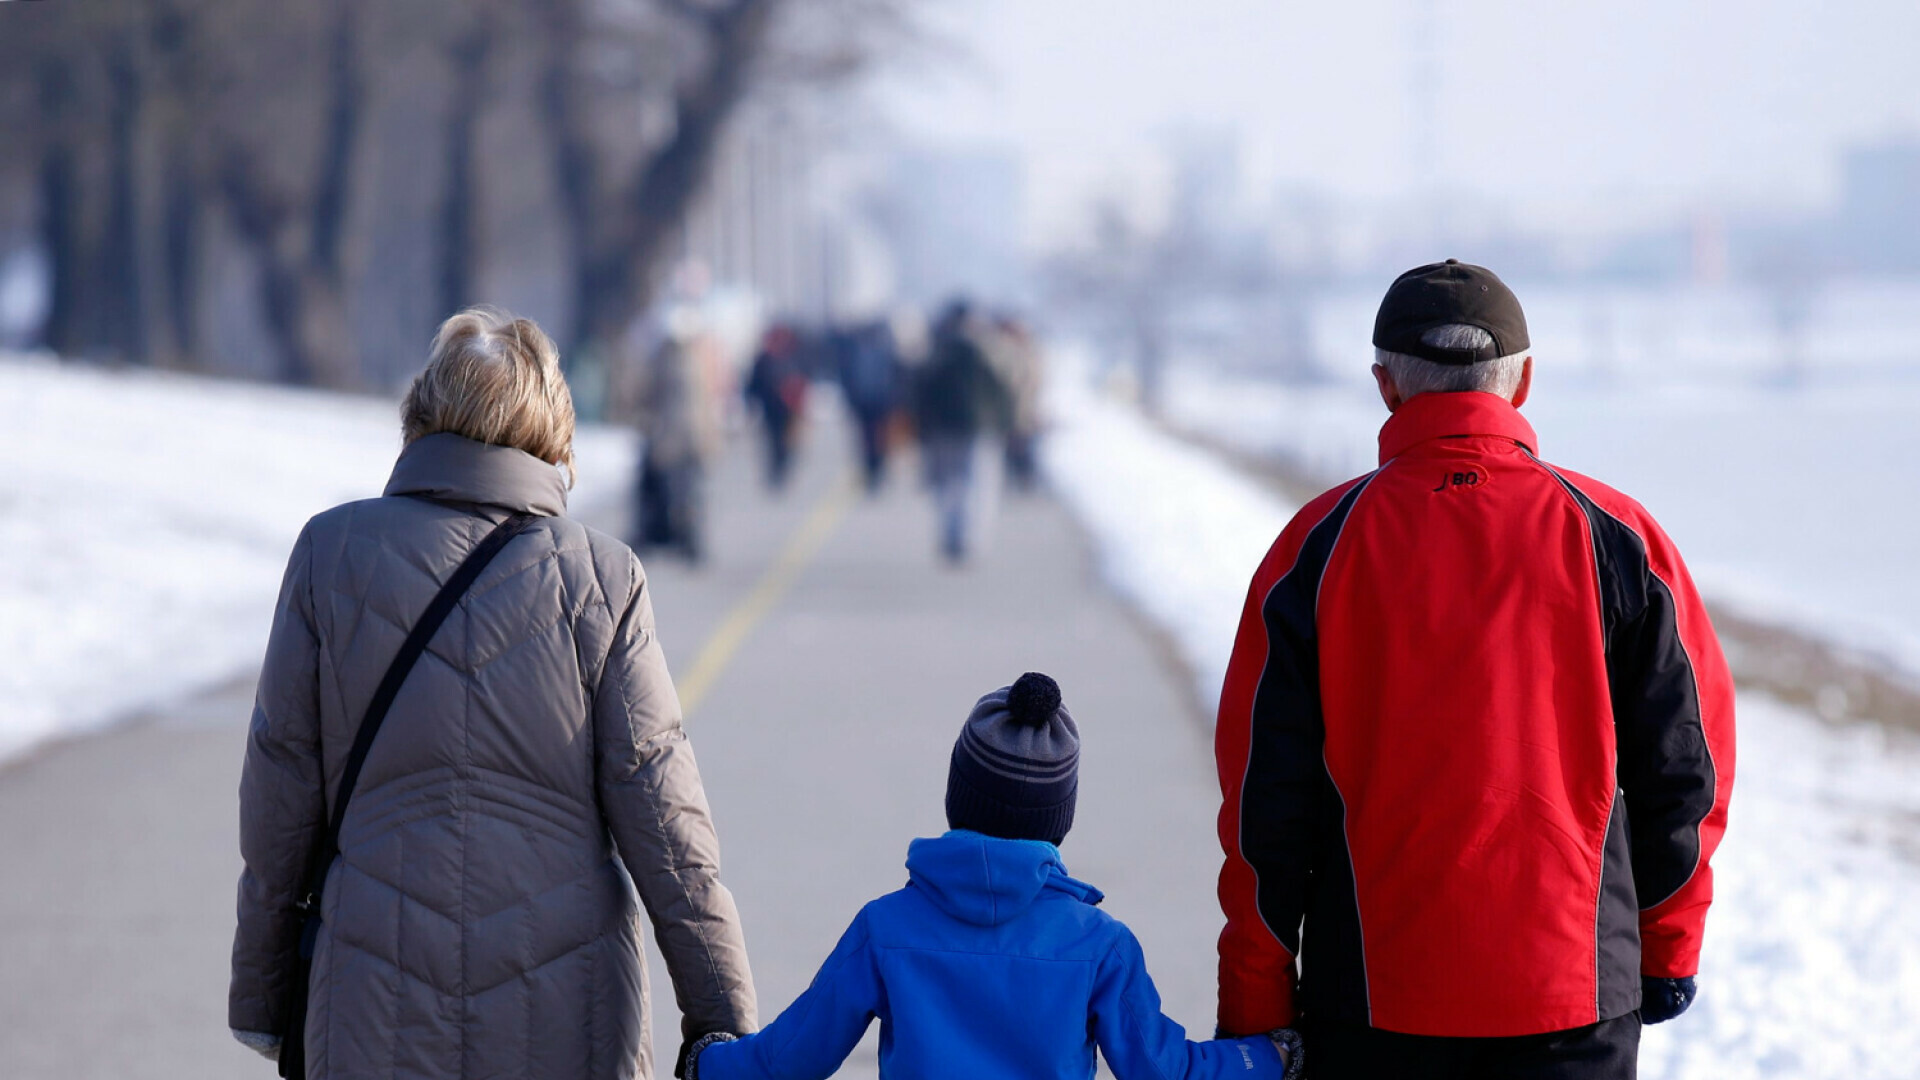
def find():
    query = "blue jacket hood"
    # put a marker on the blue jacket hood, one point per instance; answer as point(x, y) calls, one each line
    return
point(985, 880)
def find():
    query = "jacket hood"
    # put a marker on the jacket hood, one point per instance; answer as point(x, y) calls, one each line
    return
point(987, 881)
point(452, 468)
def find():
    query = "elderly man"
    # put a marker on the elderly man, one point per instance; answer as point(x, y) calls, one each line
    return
point(1475, 742)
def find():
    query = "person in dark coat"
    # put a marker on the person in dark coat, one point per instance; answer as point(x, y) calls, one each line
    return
point(531, 778)
point(870, 377)
point(776, 388)
point(992, 961)
point(958, 397)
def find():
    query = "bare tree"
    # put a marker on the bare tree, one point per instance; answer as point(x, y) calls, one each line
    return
point(1188, 282)
point(625, 210)
point(287, 126)
point(1143, 292)
point(621, 203)
point(74, 106)
point(160, 130)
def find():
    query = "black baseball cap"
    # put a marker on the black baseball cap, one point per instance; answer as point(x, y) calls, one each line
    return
point(1450, 293)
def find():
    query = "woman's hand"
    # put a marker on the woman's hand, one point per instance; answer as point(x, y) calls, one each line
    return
point(690, 1065)
point(265, 1044)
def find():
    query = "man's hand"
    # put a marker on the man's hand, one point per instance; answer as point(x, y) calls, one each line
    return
point(1293, 1055)
point(1663, 999)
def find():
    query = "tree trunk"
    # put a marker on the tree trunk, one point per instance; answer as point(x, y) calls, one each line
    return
point(459, 241)
point(345, 104)
point(603, 307)
point(575, 165)
point(657, 206)
point(619, 240)
point(119, 321)
point(321, 331)
point(61, 235)
point(180, 249)
point(302, 285)
point(168, 196)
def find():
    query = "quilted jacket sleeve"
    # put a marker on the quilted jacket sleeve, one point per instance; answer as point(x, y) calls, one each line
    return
point(282, 806)
point(656, 807)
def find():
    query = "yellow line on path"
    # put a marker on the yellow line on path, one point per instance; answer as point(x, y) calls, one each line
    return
point(801, 547)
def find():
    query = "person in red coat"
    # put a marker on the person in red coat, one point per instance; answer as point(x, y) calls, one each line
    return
point(1475, 741)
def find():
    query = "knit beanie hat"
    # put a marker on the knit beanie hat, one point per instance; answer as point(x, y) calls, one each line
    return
point(1015, 772)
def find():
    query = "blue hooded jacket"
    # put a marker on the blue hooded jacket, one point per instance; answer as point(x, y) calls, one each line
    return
point(991, 963)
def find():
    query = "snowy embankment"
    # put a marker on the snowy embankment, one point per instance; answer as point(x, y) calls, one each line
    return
point(1812, 962)
point(146, 520)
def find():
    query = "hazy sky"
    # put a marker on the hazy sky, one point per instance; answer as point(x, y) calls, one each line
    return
point(1629, 108)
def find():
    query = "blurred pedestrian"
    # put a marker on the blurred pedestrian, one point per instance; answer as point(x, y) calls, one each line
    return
point(1475, 741)
point(1015, 356)
point(957, 399)
point(870, 378)
point(466, 900)
point(776, 388)
point(677, 408)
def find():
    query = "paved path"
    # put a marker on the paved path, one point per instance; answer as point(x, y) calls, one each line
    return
point(835, 672)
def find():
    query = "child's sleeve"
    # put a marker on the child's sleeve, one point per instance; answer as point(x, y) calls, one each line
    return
point(810, 1039)
point(1141, 1043)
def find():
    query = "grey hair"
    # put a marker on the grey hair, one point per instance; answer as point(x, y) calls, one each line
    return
point(1413, 376)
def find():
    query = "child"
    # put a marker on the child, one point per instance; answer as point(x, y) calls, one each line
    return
point(992, 962)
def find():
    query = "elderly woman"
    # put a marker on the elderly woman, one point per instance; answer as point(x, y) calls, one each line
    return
point(478, 918)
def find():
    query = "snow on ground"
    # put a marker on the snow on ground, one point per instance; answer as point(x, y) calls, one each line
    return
point(146, 520)
point(1812, 961)
point(1789, 505)
point(1169, 518)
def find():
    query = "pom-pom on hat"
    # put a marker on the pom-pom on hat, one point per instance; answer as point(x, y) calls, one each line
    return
point(1015, 771)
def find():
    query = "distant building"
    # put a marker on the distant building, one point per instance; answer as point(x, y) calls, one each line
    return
point(1877, 228)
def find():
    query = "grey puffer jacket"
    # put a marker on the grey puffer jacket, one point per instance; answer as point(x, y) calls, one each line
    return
point(479, 921)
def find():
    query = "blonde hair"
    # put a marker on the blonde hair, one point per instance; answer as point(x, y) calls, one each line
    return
point(495, 379)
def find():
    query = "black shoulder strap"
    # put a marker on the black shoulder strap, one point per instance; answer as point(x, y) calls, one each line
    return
point(410, 651)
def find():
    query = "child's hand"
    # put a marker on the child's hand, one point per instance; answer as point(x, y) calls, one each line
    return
point(1292, 1052)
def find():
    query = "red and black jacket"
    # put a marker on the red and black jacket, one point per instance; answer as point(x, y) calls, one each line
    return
point(1475, 746)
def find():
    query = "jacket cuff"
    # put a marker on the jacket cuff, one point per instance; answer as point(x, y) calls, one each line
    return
point(1666, 952)
point(699, 1046)
point(266, 1044)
